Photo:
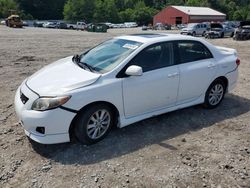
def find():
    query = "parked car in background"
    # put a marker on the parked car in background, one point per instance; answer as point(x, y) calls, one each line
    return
point(243, 31)
point(50, 24)
point(160, 26)
point(25, 23)
point(148, 74)
point(130, 24)
point(2, 22)
point(61, 25)
point(38, 23)
point(217, 30)
point(233, 24)
point(181, 26)
point(144, 28)
point(109, 25)
point(81, 26)
point(71, 26)
point(195, 29)
point(120, 25)
point(228, 31)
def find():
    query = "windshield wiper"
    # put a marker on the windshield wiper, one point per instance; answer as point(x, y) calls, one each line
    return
point(92, 69)
point(77, 59)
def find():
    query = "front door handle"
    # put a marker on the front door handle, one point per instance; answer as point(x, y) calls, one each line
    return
point(173, 75)
point(211, 65)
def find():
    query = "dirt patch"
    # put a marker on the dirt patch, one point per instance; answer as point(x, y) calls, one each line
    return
point(26, 58)
point(193, 147)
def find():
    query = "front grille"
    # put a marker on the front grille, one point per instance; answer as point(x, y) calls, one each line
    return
point(23, 98)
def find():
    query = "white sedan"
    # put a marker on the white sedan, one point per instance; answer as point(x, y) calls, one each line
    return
point(122, 81)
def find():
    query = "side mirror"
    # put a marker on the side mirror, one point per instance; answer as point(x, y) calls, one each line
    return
point(134, 70)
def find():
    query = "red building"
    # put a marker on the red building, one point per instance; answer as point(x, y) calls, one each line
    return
point(174, 15)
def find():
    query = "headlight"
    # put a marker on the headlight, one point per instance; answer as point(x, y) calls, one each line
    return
point(47, 103)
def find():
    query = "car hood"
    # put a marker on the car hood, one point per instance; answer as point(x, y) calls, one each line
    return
point(59, 77)
point(187, 29)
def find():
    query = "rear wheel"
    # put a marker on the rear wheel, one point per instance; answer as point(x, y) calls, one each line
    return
point(215, 94)
point(194, 34)
point(93, 124)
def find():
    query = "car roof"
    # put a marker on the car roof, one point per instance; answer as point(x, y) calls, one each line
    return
point(156, 37)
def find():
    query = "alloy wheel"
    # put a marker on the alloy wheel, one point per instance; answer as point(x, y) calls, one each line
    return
point(98, 124)
point(216, 94)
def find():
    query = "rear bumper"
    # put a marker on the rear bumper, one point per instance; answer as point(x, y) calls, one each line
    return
point(232, 78)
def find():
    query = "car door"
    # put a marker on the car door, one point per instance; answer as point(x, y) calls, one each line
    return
point(199, 29)
point(197, 69)
point(157, 87)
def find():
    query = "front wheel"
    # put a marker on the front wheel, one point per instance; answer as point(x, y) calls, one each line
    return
point(93, 124)
point(215, 94)
point(222, 35)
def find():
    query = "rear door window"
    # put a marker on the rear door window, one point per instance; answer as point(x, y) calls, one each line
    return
point(189, 51)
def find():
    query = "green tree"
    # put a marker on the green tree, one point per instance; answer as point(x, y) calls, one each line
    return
point(143, 14)
point(242, 13)
point(79, 10)
point(7, 7)
point(106, 11)
point(197, 3)
point(127, 15)
point(42, 9)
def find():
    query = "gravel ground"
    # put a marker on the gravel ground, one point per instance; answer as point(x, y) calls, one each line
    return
point(193, 147)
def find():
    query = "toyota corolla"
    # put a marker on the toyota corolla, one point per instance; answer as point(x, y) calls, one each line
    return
point(122, 81)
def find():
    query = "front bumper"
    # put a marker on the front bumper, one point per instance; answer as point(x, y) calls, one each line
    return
point(186, 32)
point(56, 122)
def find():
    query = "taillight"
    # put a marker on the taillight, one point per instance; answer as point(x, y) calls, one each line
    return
point(238, 61)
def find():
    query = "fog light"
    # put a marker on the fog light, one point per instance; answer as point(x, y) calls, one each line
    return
point(40, 130)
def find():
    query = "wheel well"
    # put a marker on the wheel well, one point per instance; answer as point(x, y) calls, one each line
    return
point(224, 79)
point(113, 107)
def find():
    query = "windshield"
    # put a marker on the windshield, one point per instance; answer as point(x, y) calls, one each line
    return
point(106, 56)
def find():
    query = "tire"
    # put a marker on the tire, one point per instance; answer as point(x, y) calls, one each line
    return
point(194, 34)
point(232, 34)
point(215, 94)
point(93, 124)
point(222, 35)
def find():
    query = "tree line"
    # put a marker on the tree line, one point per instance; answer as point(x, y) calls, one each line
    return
point(114, 11)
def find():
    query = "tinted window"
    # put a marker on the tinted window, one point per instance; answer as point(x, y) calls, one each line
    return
point(154, 57)
point(192, 51)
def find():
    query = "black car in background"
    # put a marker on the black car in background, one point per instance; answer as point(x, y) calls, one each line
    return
point(38, 23)
point(61, 25)
point(243, 31)
point(218, 30)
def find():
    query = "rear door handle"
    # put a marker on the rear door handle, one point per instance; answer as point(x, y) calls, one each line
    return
point(173, 75)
